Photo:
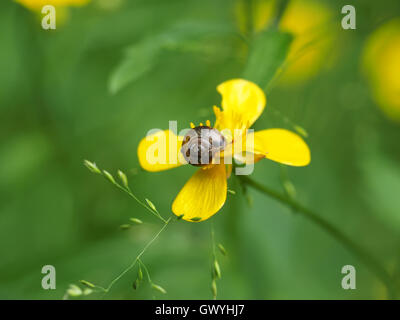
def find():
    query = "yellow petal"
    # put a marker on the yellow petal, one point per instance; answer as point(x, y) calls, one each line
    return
point(160, 151)
point(203, 195)
point(282, 146)
point(242, 103)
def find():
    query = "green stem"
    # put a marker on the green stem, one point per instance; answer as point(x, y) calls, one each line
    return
point(282, 5)
point(214, 260)
point(213, 240)
point(370, 261)
point(248, 5)
point(129, 192)
point(137, 257)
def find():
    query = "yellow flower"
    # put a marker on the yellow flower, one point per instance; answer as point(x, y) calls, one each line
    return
point(381, 64)
point(205, 193)
point(309, 22)
point(37, 5)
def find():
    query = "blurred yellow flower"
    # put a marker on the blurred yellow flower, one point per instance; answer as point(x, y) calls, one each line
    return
point(205, 192)
point(381, 65)
point(37, 5)
point(309, 22)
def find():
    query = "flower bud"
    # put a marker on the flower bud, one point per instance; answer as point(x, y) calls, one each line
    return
point(74, 290)
point(135, 221)
point(123, 178)
point(109, 176)
point(214, 289)
point(151, 205)
point(87, 283)
point(91, 166)
point(158, 288)
point(222, 249)
point(217, 269)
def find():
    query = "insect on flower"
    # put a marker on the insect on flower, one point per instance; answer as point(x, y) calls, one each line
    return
point(211, 148)
point(201, 143)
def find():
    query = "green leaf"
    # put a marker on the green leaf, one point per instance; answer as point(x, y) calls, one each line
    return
point(268, 52)
point(141, 57)
point(138, 60)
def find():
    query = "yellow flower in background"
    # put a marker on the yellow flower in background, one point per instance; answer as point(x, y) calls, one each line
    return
point(61, 7)
point(381, 65)
point(37, 5)
point(205, 192)
point(309, 22)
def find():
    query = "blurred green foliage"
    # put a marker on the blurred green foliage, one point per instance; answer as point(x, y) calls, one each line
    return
point(56, 110)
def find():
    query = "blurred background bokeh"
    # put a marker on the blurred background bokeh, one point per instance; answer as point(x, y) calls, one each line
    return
point(78, 93)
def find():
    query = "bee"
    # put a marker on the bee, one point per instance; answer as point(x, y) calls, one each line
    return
point(200, 144)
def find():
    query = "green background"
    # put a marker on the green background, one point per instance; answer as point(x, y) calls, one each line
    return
point(56, 110)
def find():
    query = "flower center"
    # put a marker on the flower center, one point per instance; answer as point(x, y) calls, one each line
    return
point(200, 145)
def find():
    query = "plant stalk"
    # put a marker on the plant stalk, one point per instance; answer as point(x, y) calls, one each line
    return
point(370, 261)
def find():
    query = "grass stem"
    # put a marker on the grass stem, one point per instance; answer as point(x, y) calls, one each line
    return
point(370, 261)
